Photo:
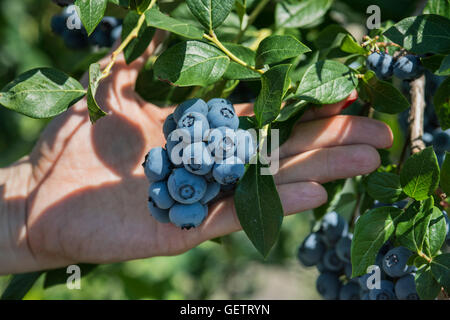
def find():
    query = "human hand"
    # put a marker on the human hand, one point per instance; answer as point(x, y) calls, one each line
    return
point(86, 194)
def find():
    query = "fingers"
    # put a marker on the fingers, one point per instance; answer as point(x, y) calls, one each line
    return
point(295, 197)
point(335, 131)
point(328, 164)
point(330, 109)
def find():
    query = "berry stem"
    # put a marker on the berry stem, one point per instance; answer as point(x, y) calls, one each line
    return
point(133, 34)
point(213, 38)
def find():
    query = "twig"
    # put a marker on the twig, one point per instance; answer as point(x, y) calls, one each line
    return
point(416, 114)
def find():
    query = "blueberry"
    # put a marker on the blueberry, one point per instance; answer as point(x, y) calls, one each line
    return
point(116, 33)
point(160, 215)
point(169, 125)
point(328, 286)
point(408, 67)
point(441, 140)
point(58, 24)
point(229, 171)
point(382, 64)
point(195, 124)
point(159, 193)
point(245, 145)
point(348, 270)
point(343, 248)
point(405, 288)
point(331, 261)
point(349, 291)
point(192, 105)
point(186, 216)
point(100, 38)
point(63, 3)
point(186, 187)
point(223, 115)
point(362, 280)
point(427, 138)
point(400, 204)
point(333, 227)
point(157, 164)
point(177, 140)
point(311, 250)
point(364, 295)
point(197, 159)
point(221, 101)
point(394, 262)
point(75, 39)
point(221, 142)
point(386, 291)
point(212, 190)
point(227, 187)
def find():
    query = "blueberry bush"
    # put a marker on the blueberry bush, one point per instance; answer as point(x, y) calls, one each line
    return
point(286, 56)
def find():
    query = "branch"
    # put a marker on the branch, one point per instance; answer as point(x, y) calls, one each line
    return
point(416, 115)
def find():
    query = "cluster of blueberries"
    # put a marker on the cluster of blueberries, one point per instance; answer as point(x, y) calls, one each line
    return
point(205, 154)
point(68, 25)
point(385, 66)
point(329, 250)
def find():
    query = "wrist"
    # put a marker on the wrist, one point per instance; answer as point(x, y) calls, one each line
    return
point(15, 254)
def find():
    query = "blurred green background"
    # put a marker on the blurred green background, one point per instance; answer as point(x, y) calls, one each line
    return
point(232, 269)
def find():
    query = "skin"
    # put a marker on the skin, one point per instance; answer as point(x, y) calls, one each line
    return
point(80, 196)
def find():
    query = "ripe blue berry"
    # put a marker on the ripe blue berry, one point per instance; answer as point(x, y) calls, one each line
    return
point(192, 105)
point(408, 68)
point(186, 216)
point(382, 64)
point(245, 145)
point(177, 140)
point(229, 171)
point(186, 187)
point(223, 115)
point(195, 124)
point(212, 190)
point(343, 248)
point(394, 262)
point(197, 159)
point(364, 295)
point(386, 291)
point(221, 101)
point(348, 270)
point(161, 215)
point(157, 164)
point(169, 125)
point(311, 250)
point(75, 39)
point(58, 24)
point(221, 143)
point(441, 140)
point(116, 33)
point(331, 261)
point(349, 291)
point(405, 288)
point(333, 227)
point(159, 193)
point(328, 285)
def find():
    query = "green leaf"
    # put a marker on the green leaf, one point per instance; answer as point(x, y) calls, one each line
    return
point(445, 174)
point(383, 95)
point(413, 224)
point(95, 74)
point(274, 84)
point(426, 286)
point(350, 45)
point(372, 230)
point(277, 48)
point(139, 5)
point(138, 45)
point(329, 40)
point(420, 174)
point(436, 232)
point(444, 68)
point(300, 14)
point(286, 126)
point(91, 12)
point(210, 13)
point(157, 19)
point(191, 63)
point(442, 104)
point(259, 208)
point(290, 110)
point(326, 82)
point(41, 93)
point(236, 71)
point(440, 267)
point(433, 62)
point(384, 187)
point(440, 7)
point(59, 276)
point(19, 285)
point(422, 34)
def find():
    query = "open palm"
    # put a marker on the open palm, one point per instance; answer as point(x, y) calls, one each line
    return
point(87, 195)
